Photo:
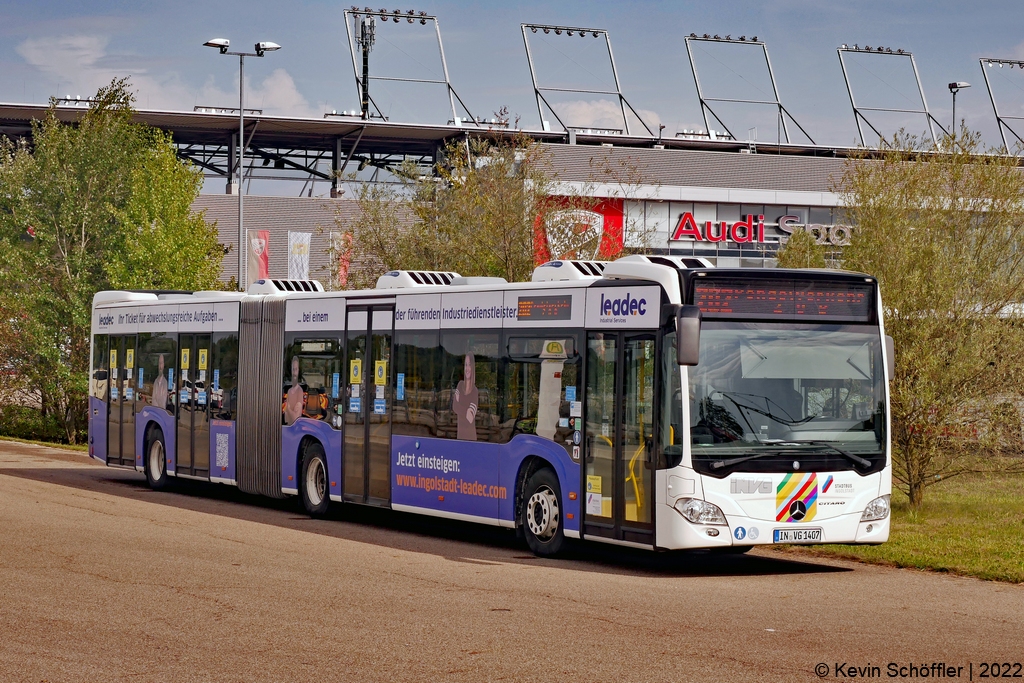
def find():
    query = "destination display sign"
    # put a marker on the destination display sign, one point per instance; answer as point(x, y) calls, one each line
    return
point(544, 308)
point(790, 299)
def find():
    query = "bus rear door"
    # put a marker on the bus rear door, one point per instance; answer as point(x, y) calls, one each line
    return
point(121, 400)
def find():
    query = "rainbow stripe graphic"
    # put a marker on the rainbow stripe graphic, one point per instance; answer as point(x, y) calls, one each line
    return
point(827, 484)
point(796, 487)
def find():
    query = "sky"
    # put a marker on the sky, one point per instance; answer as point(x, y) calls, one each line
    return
point(71, 48)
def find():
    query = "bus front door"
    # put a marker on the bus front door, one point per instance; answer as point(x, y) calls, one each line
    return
point(618, 476)
point(193, 442)
point(121, 401)
point(366, 454)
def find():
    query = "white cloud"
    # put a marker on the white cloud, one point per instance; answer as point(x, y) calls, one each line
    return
point(80, 64)
point(603, 114)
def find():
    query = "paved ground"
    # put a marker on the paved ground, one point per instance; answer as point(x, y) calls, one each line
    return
point(102, 580)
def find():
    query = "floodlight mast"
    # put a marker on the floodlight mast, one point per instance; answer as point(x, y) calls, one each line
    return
point(783, 113)
point(1001, 119)
point(366, 24)
point(539, 90)
point(858, 111)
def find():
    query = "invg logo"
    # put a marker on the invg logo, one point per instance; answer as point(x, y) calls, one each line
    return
point(750, 486)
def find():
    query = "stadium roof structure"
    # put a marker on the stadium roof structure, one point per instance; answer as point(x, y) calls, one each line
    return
point(283, 148)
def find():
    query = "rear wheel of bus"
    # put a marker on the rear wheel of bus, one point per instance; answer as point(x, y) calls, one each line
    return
point(541, 513)
point(156, 461)
point(313, 480)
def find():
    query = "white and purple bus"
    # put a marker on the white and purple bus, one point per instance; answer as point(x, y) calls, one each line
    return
point(651, 401)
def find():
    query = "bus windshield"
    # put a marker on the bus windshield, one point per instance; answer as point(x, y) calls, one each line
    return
point(786, 389)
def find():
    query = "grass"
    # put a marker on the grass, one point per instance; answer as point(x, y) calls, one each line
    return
point(49, 444)
point(971, 525)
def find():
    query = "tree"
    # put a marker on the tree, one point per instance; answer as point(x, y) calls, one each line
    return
point(942, 228)
point(801, 251)
point(490, 210)
point(102, 204)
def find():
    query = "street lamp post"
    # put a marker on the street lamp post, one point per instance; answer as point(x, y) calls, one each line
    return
point(954, 88)
point(222, 44)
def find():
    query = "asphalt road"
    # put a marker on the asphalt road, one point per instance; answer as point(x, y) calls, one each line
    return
point(104, 580)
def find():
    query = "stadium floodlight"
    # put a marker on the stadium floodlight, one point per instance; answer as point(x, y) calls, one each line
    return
point(266, 47)
point(540, 90)
point(221, 44)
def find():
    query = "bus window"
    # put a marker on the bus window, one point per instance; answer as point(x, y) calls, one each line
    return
point(541, 389)
point(312, 381)
point(98, 381)
point(157, 355)
point(224, 381)
point(418, 372)
point(468, 400)
point(671, 430)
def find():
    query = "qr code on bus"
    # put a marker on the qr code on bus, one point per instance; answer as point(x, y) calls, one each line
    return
point(222, 450)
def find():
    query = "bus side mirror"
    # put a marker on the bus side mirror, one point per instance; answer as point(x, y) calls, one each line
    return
point(688, 335)
point(890, 357)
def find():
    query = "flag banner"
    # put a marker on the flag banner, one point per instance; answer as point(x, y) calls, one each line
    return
point(259, 256)
point(298, 255)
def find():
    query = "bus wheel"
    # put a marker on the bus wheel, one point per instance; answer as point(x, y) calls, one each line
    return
point(313, 481)
point(156, 462)
point(541, 515)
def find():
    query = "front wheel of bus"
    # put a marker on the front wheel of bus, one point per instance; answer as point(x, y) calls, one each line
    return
point(313, 481)
point(156, 462)
point(541, 514)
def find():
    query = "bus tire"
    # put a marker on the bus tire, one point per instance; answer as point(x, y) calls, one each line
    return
point(156, 461)
point(313, 480)
point(541, 514)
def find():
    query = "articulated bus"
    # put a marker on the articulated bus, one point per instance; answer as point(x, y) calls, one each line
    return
point(655, 402)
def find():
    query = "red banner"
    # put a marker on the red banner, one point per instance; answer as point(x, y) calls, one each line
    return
point(259, 256)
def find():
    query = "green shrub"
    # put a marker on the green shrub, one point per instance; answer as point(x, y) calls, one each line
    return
point(29, 423)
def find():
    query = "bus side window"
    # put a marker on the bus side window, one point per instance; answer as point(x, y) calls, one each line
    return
point(312, 381)
point(542, 389)
point(224, 379)
point(98, 379)
point(417, 375)
point(155, 375)
point(468, 400)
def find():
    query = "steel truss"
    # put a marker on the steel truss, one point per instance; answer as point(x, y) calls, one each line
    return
point(411, 17)
point(858, 111)
point(1001, 119)
point(705, 108)
point(539, 90)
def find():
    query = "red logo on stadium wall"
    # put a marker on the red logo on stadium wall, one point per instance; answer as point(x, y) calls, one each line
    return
point(605, 216)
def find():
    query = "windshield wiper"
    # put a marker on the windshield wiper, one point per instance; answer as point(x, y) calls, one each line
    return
point(863, 462)
point(720, 464)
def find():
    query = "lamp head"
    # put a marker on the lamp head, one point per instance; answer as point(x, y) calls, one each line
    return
point(958, 85)
point(221, 44)
point(262, 47)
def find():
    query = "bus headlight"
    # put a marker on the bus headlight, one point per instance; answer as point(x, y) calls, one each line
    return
point(876, 509)
point(700, 511)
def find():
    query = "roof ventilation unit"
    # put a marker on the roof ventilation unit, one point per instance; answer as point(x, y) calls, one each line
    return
point(277, 286)
point(559, 271)
point(401, 279)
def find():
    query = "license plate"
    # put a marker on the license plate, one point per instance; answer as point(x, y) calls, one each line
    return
point(812, 535)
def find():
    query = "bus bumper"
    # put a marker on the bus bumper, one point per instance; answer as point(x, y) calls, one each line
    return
point(676, 532)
